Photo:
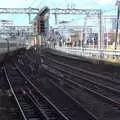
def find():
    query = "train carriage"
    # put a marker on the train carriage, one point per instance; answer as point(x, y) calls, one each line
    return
point(9, 46)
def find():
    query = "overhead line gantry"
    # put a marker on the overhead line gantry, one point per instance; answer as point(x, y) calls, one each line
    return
point(27, 11)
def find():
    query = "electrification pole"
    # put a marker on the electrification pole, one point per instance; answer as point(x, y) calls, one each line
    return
point(118, 15)
point(100, 39)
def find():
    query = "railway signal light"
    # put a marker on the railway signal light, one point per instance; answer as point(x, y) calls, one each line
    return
point(42, 26)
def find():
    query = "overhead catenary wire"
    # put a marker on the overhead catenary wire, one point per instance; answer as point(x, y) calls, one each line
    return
point(32, 3)
point(41, 2)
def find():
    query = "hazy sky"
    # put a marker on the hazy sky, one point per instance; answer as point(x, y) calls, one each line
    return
point(58, 3)
point(97, 4)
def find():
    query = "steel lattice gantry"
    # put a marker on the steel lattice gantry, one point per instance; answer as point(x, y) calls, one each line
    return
point(75, 11)
point(19, 10)
point(28, 11)
point(58, 11)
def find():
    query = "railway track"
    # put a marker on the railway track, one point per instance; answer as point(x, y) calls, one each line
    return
point(95, 78)
point(77, 80)
point(110, 71)
point(71, 110)
point(9, 111)
point(8, 108)
point(32, 103)
point(28, 109)
point(73, 78)
point(103, 79)
point(96, 105)
point(109, 92)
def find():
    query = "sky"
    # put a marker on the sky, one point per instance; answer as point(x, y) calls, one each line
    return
point(56, 3)
point(85, 4)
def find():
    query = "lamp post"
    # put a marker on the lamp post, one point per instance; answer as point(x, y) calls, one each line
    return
point(118, 15)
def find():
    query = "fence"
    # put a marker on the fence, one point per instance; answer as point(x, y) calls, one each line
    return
point(101, 54)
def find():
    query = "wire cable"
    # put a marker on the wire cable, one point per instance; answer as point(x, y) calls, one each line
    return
point(41, 2)
point(32, 3)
